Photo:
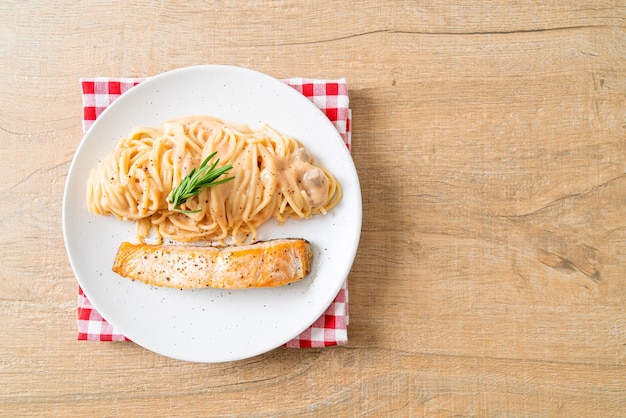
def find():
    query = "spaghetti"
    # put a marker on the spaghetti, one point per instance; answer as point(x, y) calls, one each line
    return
point(274, 177)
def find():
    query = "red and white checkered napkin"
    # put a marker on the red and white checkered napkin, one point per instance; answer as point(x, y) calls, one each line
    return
point(331, 96)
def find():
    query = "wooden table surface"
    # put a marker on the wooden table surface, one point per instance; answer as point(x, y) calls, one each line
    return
point(490, 141)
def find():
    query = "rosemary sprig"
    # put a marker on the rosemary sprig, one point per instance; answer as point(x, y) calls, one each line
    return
point(196, 180)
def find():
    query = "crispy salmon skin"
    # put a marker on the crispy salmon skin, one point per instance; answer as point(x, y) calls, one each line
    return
point(262, 264)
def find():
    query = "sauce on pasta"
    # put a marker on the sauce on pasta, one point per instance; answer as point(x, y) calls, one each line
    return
point(275, 177)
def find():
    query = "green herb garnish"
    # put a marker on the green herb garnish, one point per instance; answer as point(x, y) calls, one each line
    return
point(195, 181)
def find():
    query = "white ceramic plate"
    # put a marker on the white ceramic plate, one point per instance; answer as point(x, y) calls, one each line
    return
point(212, 325)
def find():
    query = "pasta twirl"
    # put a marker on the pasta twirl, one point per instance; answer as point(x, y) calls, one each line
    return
point(275, 177)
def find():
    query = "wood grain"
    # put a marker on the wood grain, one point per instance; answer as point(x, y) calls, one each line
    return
point(490, 142)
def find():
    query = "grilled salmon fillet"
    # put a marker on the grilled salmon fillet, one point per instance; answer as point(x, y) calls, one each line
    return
point(263, 264)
